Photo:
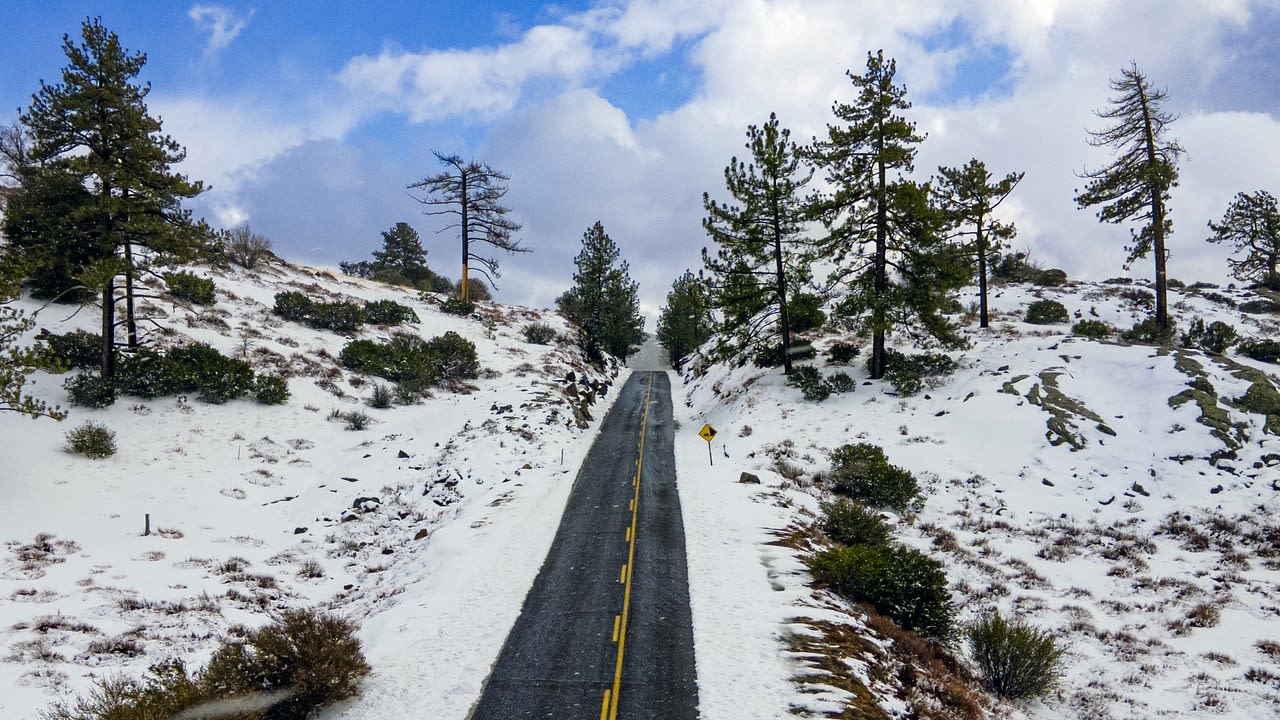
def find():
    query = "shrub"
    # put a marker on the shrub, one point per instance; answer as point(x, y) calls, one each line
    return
point(903, 584)
point(804, 312)
point(369, 357)
point(1267, 351)
point(455, 356)
point(1016, 267)
point(841, 382)
point(539, 333)
point(1047, 312)
point(89, 389)
point(810, 382)
point(215, 377)
point(1095, 329)
point(271, 389)
point(382, 397)
point(909, 374)
point(246, 248)
point(343, 317)
point(1214, 338)
point(76, 349)
point(1149, 332)
point(293, 306)
point(842, 352)
point(388, 312)
point(861, 471)
point(147, 374)
point(1258, 307)
point(455, 305)
point(190, 287)
point(313, 658)
point(1053, 277)
point(92, 440)
point(852, 523)
point(356, 420)
point(1016, 659)
point(436, 283)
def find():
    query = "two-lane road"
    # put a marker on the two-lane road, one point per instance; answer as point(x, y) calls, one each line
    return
point(605, 632)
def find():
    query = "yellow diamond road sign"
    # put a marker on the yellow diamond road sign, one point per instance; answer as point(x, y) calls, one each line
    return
point(707, 432)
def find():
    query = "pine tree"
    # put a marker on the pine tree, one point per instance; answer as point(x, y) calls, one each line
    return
point(968, 198)
point(401, 259)
point(94, 127)
point(760, 241)
point(685, 322)
point(472, 193)
point(1135, 186)
point(1252, 225)
point(892, 266)
point(604, 301)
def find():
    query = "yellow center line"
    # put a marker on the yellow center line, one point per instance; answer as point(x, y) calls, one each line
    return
point(611, 698)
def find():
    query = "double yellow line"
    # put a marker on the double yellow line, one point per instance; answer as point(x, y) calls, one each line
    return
point(609, 706)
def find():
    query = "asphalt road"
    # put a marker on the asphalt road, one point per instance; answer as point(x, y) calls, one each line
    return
point(605, 632)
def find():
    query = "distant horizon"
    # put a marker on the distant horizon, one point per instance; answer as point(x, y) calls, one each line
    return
point(309, 122)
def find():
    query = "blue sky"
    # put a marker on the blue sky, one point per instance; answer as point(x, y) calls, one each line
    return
point(308, 119)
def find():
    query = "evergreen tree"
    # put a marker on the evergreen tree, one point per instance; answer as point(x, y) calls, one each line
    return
point(94, 127)
point(472, 193)
point(603, 301)
point(17, 364)
point(401, 261)
point(759, 241)
point(1252, 225)
point(685, 322)
point(1135, 186)
point(881, 232)
point(968, 198)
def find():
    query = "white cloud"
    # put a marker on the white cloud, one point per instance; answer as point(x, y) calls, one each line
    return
point(222, 24)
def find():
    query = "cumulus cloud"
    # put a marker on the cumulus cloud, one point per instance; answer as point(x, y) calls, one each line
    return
point(223, 25)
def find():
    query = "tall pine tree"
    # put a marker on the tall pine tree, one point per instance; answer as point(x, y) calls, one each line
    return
point(892, 267)
point(94, 128)
point(760, 241)
point(1252, 225)
point(604, 301)
point(968, 198)
point(1135, 186)
point(685, 322)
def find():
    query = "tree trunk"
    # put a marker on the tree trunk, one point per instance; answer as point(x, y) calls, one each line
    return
point(782, 291)
point(465, 289)
point(1157, 219)
point(982, 276)
point(879, 355)
point(131, 322)
point(109, 330)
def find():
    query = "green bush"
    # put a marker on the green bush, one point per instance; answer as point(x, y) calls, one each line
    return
point(852, 523)
point(215, 377)
point(148, 374)
point(294, 306)
point(804, 312)
point(1016, 660)
point(455, 305)
point(539, 333)
point(357, 420)
point(1214, 338)
point(368, 357)
point(1148, 332)
point(89, 389)
point(841, 382)
point(842, 352)
point(1095, 329)
point(388, 312)
point(909, 374)
point(861, 471)
point(92, 441)
point(1047, 312)
point(76, 349)
point(382, 397)
point(166, 692)
point(1259, 307)
point(1053, 277)
point(455, 356)
point(270, 390)
point(809, 379)
point(1016, 267)
point(342, 317)
point(1267, 351)
point(190, 287)
point(903, 584)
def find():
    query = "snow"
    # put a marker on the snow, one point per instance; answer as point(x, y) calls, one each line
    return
point(436, 568)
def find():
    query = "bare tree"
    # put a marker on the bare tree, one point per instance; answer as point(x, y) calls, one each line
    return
point(245, 247)
point(471, 192)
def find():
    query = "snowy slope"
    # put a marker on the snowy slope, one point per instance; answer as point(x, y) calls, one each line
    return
point(428, 527)
point(1151, 552)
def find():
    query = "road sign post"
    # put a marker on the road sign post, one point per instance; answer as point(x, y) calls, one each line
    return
point(708, 433)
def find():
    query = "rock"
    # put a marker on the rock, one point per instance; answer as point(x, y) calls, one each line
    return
point(1045, 481)
point(1215, 489)
point(387, 551)
point(421, 534)
point(299, 530)
point(749, 478)
point(1140, 490)
point(351, 479)
point(366, 504)
point(526, 466)
point(1108, 501)
point(403, 455)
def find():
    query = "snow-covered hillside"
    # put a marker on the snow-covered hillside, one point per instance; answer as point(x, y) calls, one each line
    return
point(427, 527)
point(1062, 486)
